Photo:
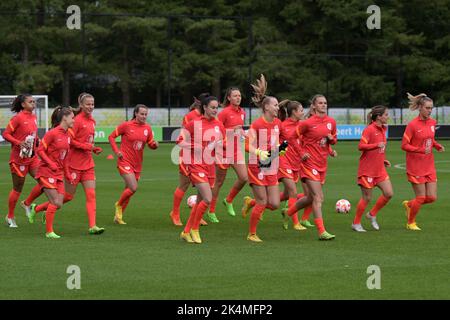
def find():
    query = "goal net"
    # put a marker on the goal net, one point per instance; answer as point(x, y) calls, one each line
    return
point(41, 111)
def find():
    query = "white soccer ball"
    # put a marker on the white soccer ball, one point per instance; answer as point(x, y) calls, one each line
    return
point(192, 200)
point(343, 206)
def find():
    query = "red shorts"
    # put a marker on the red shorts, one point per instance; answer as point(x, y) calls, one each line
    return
point(371, 182)
point(52, 183)
point(129, 170)
point(288, 174)
point(201, 174)
point(422, 179)
point(183, 169)
point(257, 177)
point(75, 176)
point(22, 169)
point(224, 162)
point(312, 174)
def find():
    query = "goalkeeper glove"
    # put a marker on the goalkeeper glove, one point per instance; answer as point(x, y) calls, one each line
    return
point(263, 155)
point(282, 148)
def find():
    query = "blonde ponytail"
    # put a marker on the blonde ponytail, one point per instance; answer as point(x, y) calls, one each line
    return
point(260, 89)
point(416, 101)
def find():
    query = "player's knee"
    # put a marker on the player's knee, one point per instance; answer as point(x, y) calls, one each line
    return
point(309, 199)
point(243, 179)
point(261, 201)
point(220, 181)
point(58, 203)
point(367, 198)
point(184, 186)
point(292, 195)
point(318, 198)
point(207, 200)
point(133, 188)
point(388, 195)
point(273, 205)
point(291, 192)
point(18, 187)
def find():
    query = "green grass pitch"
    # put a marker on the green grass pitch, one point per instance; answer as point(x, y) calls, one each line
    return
point(145, 259)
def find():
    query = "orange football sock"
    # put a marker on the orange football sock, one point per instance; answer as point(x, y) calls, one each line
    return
point(12, 201)
point(283, 197)
point(42, 207)
point(233, 193)
point(126, 195)
point(307, 212)
point(291, 202)
point(415, 205)
point(201, 209)
point(430, 199)
point(292, 209)
point(49, 216)
point(257, 212)
point(381, 202)
point(91, 206)
point(362, 204)
point(212, 206)
point(319, 223)
point(35, 192)
point(190, 221)
point(177, 198)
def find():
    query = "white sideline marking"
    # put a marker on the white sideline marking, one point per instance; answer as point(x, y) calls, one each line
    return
point(402, 166)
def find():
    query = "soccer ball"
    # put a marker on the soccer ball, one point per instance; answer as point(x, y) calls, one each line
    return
point(343, 206)
point(192, 200)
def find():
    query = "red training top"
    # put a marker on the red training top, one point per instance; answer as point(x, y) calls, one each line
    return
point(203, 134)
point(19, 127)
point(134, 138)
point(371, 162)
point(292, 157)
point(418, 142)
point(264, 136)
point(53, 151)
point(191, 116)
point(313, 132)
point(82, 134)
point(233, 118)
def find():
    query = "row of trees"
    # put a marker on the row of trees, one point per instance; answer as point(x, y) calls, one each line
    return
point(164, 52)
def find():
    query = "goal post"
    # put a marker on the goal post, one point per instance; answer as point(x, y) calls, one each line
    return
point(41, 110)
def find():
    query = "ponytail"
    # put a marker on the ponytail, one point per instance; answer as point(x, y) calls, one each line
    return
point(286, 107)
point(16, 105)
point(259, 98)
point(195, 105)
point(312, 110)
point(375, 112)
point(226, 101)
point(81, 97)
point(415, 102)
point(203, 100)
point(58, 114)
